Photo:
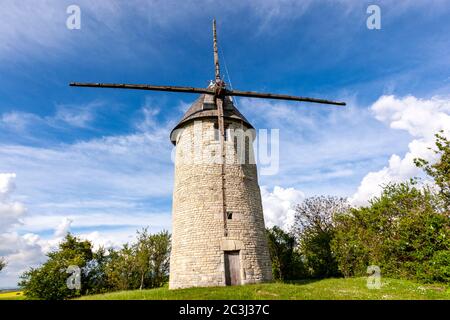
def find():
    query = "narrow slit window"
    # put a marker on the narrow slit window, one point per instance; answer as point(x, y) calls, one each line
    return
point(229, 215)
point(216, 132)
point(227, 132)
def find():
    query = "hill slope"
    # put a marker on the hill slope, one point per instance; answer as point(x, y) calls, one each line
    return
point(11, 295)
point(352, 288)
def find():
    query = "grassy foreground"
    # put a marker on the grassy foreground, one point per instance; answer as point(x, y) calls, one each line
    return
point(335, 289)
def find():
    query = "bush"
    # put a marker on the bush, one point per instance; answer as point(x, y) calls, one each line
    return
point(437, 269)
point(49, 281)
point(314, 230)
point(401, 231)
point(286, 261)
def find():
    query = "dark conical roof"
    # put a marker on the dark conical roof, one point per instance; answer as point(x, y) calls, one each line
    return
point(204, 107)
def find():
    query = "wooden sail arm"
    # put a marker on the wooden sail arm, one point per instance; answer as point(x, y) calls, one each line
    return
point(144, 87)
point(252, 94)
point(213, 91)
point(216, 54)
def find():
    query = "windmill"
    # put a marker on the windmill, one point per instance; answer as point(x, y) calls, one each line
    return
point(218, 232)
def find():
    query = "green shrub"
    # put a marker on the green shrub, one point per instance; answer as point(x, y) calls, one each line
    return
point(314, 230)
point(401, 231)
point(286, 261)
point(437, 269)
point(49, 281)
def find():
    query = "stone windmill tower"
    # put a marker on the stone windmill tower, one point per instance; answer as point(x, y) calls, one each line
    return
point(218, 232)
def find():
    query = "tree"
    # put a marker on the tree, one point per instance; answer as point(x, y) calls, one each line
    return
point(159, 258)
point(122, 270)
point(314, 229)
point(286, 262)
point(152, 258)
point(50, 280)
point(440, 170)
point(402, 231)
point(143, 248)
point(95, 271)
point(144, 264)
point(2, 263)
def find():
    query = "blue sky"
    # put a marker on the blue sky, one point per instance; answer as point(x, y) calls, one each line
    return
point(98, 161)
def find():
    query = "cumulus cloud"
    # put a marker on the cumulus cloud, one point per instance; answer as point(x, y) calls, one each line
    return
point(63, 228)
point(421, 118)
point(19, 251)
point(279, 205)
point(11, 212)
point(109, 239)
point(6, 184)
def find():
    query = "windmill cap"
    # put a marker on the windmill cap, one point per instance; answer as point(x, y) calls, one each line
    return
point(204, 107)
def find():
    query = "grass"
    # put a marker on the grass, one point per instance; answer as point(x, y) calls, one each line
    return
point(12, 295)
point(334, 289)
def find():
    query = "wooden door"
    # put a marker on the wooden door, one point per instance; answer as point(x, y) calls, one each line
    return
point(232, 268)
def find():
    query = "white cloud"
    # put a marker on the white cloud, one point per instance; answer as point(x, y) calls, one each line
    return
point(19, 251)
point(115, 168)
point(279, 205)
point(150, 111)
point(78, 116)
point(11, 212)
point(42, 222)
point(109, 239)
point(6, 184)
point(18, 121)
point(421, 119)
point(63, 228)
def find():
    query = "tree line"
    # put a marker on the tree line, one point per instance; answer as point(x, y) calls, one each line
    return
point(405, 231)
point(143, 264)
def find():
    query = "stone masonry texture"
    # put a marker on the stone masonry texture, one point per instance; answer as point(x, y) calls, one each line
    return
point(198, 237)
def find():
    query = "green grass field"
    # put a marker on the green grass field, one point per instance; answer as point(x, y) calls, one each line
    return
point(352, 288)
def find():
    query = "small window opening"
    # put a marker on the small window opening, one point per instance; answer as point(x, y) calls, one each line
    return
point(216, 132)
point(229, 215)
point(227, 132)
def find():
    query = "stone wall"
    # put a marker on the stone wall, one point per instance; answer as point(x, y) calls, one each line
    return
point(198, 237)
